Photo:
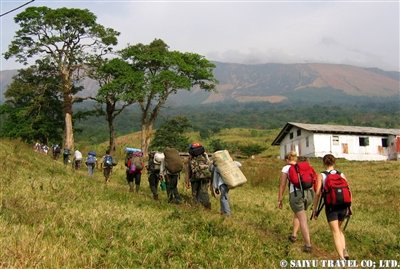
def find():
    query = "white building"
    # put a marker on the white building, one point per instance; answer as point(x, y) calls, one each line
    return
point(349, 142)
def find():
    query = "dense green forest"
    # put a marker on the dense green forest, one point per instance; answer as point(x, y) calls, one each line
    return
point(209, 119)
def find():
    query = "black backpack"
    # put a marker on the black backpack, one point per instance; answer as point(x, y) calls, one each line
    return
point(108, 160)
point(196, 149)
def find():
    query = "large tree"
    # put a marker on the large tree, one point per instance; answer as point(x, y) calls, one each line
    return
point(33, 107)
point(117, 82)
point(65, 37)
point(164, 73)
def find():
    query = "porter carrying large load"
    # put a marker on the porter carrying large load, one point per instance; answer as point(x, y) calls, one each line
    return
point(228, 169)
point(173, 162)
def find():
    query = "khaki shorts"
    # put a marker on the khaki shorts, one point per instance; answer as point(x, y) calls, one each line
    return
point(298, 203)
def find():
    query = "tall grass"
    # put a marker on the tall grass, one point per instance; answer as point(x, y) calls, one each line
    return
point(52, 217)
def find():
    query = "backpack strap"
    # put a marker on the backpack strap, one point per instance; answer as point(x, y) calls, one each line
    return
point(321, 202)
point(294, 187)
point(300, 183)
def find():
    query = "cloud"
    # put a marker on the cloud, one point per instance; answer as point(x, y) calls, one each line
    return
point(366, 33)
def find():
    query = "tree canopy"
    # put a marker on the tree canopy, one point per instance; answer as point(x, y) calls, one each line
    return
point(66, 38)
point(164, 72)
point(33, 107)
point(117, 82)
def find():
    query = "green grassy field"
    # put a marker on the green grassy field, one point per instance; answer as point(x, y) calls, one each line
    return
point(52, 217)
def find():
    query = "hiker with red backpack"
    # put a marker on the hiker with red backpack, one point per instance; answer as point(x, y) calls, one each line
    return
point(134, 165)
point(301, 177)
point(332, 185)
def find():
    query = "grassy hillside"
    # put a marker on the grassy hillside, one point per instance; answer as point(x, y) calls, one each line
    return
point(51, 217)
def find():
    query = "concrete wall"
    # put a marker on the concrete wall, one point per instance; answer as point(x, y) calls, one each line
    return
point(346, 146)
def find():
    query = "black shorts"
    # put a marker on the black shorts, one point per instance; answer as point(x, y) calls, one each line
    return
point(335, 214)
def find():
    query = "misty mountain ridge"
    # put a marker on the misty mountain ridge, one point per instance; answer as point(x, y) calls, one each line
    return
point(276, 83)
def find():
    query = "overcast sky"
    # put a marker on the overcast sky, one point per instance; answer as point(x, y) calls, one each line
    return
point(362, 33)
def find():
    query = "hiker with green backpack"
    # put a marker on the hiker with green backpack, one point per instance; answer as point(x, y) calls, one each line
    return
point(199, 175)
point(333, 191)
point(170, 169)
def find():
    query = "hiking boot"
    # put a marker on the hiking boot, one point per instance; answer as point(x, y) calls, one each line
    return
point(292, 238)
point(307, 249)
point(346, 254)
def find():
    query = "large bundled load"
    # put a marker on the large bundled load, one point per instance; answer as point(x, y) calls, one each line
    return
point(173, 162)
point(228, 169)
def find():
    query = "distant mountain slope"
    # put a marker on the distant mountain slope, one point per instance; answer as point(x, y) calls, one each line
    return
point(276, 83)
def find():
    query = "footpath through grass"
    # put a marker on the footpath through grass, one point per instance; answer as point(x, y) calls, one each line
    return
point(52, 217)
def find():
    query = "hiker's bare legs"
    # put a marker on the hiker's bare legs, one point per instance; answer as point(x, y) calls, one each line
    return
point(302, 217)
point(296, 225)
point(338, 237)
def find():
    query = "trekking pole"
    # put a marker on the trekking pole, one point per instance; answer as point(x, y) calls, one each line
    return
point(321, 204)
point(347, 222)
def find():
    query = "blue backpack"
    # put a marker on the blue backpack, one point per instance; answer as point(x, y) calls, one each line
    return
point(91, 159)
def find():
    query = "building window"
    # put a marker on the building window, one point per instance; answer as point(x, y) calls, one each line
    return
point(385, 142)
point(335, 140)
point(299, 132)
point(291, 135)
point(307, 141)
point(364, 141)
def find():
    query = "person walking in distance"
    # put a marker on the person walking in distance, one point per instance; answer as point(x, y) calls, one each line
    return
point(153, 169)
point(77, 160)
point(107, 165)
point(91, 162)
point(66, 154)
point(170, 169)
point(134, 166)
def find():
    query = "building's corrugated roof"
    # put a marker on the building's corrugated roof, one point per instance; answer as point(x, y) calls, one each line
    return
point(345, 129)
point(334, 129)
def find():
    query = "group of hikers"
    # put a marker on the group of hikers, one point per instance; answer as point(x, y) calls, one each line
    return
point(307, 188)
point(204, 174)
point(164, 170)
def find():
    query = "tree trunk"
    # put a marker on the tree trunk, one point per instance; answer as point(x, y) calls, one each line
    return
point(111, 134)
point(110, 109)
point(147, 130)
point(67, 94)
point(69, 138)
point(68, 130)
